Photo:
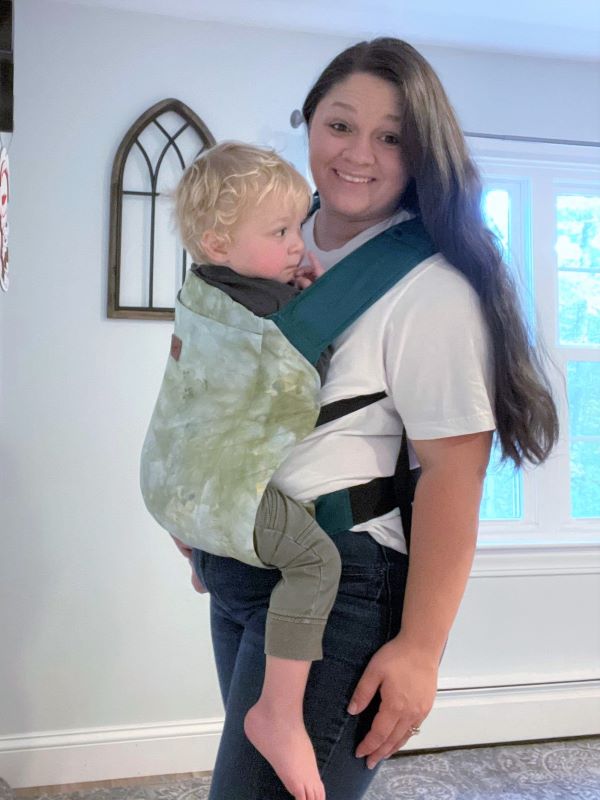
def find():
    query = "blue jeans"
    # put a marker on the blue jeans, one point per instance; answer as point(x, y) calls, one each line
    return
point(366, 614)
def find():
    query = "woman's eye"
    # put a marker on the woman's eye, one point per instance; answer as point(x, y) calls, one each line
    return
point(340, 127)
point(391, 138)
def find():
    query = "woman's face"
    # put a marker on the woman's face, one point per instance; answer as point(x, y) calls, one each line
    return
point(355, 153)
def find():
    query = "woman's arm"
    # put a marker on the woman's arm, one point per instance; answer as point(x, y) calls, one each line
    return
point(443, 537)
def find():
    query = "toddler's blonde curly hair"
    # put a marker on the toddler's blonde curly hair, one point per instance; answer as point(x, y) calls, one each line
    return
point(224, 183)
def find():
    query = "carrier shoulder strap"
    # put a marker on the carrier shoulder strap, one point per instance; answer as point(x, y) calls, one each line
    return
point(319, 314)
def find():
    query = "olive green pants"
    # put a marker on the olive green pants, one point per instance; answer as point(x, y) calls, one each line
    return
point(287, 537)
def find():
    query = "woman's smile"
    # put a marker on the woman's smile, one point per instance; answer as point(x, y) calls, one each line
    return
point(345, 176)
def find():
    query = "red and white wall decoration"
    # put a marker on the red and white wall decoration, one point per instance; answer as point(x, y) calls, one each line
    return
point(6, 126)
point(3, 218)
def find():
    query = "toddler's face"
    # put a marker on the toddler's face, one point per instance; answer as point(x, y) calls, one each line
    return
point(268, 242)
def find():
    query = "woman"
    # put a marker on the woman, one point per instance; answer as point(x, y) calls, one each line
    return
point(444, 354)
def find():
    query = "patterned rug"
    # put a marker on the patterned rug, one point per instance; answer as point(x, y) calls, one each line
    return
point(567, 770)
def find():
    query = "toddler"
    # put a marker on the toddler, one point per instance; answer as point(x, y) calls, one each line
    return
point(240, 210)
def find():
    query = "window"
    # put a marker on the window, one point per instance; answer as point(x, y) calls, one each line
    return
point(543, 203)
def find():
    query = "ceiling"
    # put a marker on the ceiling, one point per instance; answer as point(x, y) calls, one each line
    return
point(558, 28)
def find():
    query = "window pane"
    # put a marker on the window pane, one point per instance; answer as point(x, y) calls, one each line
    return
point(578, 258)
point(502, 492)
point(583, 384)
point(503, 486)
point(496, 211)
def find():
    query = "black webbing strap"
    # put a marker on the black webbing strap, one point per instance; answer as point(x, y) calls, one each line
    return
point(340, 408)
point(405, 484)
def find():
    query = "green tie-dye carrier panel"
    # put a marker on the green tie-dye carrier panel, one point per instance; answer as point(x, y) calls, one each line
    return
point(233, 402)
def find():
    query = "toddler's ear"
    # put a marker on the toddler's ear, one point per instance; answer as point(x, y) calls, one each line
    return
point(215, 247)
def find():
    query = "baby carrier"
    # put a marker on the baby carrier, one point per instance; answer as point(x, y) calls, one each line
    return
point(240, 391)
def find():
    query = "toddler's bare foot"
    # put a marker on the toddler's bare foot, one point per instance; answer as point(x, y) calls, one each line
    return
point(286, 745)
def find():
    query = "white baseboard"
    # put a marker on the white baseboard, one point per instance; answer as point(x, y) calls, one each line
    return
point(460, 717)
point(511, 714)
point(98, 754)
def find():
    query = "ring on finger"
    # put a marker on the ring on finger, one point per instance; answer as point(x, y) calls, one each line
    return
point(414, 730)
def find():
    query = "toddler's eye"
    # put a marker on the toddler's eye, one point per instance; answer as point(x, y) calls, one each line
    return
point(282, 232)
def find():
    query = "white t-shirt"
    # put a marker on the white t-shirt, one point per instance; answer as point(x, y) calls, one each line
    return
point(424, 343)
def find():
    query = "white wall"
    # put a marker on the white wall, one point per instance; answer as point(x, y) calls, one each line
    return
point(106, 668)
point(520, 95)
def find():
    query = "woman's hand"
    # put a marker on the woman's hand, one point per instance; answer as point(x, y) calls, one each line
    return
point(186, 552)
point(407, 682)
point(307, 274)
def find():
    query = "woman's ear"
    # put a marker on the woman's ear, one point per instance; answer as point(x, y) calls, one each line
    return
point(215, 246)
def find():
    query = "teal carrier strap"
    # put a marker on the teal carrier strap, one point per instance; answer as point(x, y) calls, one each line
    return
point(319, 315)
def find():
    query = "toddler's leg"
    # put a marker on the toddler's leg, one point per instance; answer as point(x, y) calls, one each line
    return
point(288, 537)
point(275, 726)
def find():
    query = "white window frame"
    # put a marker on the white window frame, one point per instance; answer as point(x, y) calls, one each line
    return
point(536, 173)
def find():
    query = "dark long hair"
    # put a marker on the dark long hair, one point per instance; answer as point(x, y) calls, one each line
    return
point(445, 191)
